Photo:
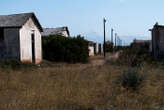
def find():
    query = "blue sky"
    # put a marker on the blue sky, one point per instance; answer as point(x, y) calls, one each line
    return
point(129, 18)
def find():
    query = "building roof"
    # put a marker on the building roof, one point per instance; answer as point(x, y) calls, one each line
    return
point(54, 31)
point(157, 26)
point(142, 41)
point(18, 20)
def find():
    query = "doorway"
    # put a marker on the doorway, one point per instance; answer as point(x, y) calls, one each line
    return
point(33, 46)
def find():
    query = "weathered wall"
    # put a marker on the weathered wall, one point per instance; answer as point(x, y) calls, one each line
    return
point(97, 48)
point(9, 47)
point(161, 40)
point(158, 42)
point(91, 50)
point(102, 48)
point(26, 42)
point(64, 33)
point(154, 42)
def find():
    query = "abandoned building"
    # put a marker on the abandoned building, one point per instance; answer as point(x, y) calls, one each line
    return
point(95, 48)
point(56, 31)
point(142, 44)
point(20, 38)
point(91, 48)
point(158, 41)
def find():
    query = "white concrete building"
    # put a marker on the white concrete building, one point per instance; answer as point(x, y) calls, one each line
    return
point(20, 38)
point(91, 48)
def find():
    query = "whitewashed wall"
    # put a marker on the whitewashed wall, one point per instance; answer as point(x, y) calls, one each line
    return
point(102, 48)
point(91, 50)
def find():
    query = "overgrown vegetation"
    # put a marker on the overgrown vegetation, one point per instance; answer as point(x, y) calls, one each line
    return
point(109, 46)
point(15, 64)
point(61, 49)
point(130, 79)
point(89, 86)
point(132, 56)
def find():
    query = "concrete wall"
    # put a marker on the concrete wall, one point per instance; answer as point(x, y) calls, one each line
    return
point(9, 47)
point(97, 48)
point(26, 42)
point(91, 50)
point(161, 40)
point(158, 42)
point(102, 48)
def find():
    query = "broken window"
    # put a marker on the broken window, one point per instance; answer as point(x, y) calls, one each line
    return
point(1, 34)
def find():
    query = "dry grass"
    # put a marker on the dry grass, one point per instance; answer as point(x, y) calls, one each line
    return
point(78, 87)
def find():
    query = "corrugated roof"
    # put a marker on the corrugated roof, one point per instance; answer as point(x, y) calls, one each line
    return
point(54, 31)
point(17, 20)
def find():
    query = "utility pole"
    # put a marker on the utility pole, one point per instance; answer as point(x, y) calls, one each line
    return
point(118, 41)
point(112, 38)
point(104, 38)
point(115, 40)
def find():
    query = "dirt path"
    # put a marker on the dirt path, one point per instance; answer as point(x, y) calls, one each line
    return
point(99, 60)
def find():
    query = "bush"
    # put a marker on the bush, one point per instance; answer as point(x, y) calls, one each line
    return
point(130, 79)
point(133, 57)
point(15, 64)
point(63, 49)
point(109, 46)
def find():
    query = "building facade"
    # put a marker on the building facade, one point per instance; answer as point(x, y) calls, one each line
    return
point(20, 38)
point(158, 41)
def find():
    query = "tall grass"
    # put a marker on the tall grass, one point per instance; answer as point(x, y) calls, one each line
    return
point(78, 87)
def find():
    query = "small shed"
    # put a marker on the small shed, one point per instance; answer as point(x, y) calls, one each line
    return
point(95, 48)
point(91, 48)
point(158, 41)
point(56, 31)
point(20, 38)
point(142, 44)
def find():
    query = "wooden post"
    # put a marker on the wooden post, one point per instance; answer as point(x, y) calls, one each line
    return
point(115, 41)
point(112, 38)
point(104, 38)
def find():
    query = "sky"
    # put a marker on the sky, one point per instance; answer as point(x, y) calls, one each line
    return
point(129, 18)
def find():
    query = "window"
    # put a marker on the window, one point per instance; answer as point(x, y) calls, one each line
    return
point(1, 34)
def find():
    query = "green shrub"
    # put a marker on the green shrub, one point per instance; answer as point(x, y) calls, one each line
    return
point(130, 79)
point(15, 64)
point(62, 49)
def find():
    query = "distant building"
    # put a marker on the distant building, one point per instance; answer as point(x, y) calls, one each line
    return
point(20, 37)
point(158, 41)
point(56, 31)
point(91, 48)
point(142, 44)
point(95, 48)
